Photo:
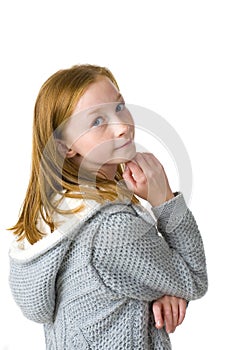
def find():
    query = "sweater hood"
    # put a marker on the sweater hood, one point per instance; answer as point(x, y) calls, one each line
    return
point(68, 223)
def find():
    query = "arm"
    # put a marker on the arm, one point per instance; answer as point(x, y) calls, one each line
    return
point(169, 311)
point(133, 260)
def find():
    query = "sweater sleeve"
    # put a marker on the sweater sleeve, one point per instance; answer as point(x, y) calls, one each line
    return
point(32, 283)
point(134, 260)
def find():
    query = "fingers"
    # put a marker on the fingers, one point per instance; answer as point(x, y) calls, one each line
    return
point(182, 310)
point(128, 177)
point(170, 316)
point(134, 168)
point(145, 176)
point(147, 161)
point(169, 311)
point(138, 169)
point(158, 314)
point(131, 173)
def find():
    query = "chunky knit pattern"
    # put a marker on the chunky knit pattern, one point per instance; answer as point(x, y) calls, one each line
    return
point(93, 286)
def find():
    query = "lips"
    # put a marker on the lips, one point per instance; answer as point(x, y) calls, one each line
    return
point(125, 144)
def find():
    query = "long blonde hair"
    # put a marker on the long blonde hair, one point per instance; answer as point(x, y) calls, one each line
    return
point(51, 174)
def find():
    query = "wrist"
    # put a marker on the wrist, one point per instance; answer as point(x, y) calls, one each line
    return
point(155, 202)
point(172, 211)
point(170, 195)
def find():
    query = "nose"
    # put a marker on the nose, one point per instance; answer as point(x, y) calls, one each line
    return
point(120, 128)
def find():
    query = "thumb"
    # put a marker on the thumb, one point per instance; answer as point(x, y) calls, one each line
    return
point(129, 180)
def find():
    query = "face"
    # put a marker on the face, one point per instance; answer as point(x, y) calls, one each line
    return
point(100, 132)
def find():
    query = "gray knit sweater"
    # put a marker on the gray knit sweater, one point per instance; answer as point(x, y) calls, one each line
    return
point(92, 282)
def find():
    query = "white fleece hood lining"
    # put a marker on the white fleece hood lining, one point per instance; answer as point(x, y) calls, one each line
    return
point(23, 250)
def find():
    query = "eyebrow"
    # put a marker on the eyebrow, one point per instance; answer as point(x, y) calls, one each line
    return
point(98, 107)
point(119, 96)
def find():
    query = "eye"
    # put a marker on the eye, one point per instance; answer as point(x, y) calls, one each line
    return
point(98, 121)
point(120, 107)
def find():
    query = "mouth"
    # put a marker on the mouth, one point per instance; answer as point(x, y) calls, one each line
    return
point(125, 144)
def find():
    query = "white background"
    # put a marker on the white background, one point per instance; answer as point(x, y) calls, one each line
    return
point(174, 57)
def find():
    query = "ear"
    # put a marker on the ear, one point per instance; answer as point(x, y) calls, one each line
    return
point(64, 150)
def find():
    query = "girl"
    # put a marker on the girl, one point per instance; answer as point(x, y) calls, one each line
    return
point(89, 260)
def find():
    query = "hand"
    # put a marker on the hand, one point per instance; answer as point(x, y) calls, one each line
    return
point(145, 176)
point(169, 311)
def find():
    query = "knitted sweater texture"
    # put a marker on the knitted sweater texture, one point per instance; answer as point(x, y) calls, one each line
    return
point(92, 282)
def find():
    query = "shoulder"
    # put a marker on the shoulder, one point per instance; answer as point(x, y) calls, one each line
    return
point(122, 223)
point(108, 217)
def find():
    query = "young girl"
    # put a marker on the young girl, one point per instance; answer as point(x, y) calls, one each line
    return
point(89, 260)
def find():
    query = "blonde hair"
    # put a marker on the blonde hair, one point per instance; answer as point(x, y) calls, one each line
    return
point(51, 174)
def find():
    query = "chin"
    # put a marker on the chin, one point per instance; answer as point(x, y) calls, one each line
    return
point(130, 154)
point(122, 159)
point(125, 155)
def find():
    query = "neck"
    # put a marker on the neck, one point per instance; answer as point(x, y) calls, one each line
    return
point(105, 171)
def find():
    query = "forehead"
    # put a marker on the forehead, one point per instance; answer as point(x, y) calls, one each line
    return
point(101, 91)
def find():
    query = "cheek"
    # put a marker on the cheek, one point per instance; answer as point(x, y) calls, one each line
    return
point(132, 127)
point(84, 143)
point(129, 119)
point(97, 151)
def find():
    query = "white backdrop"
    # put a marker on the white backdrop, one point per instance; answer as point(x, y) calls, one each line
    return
point(174, 57)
